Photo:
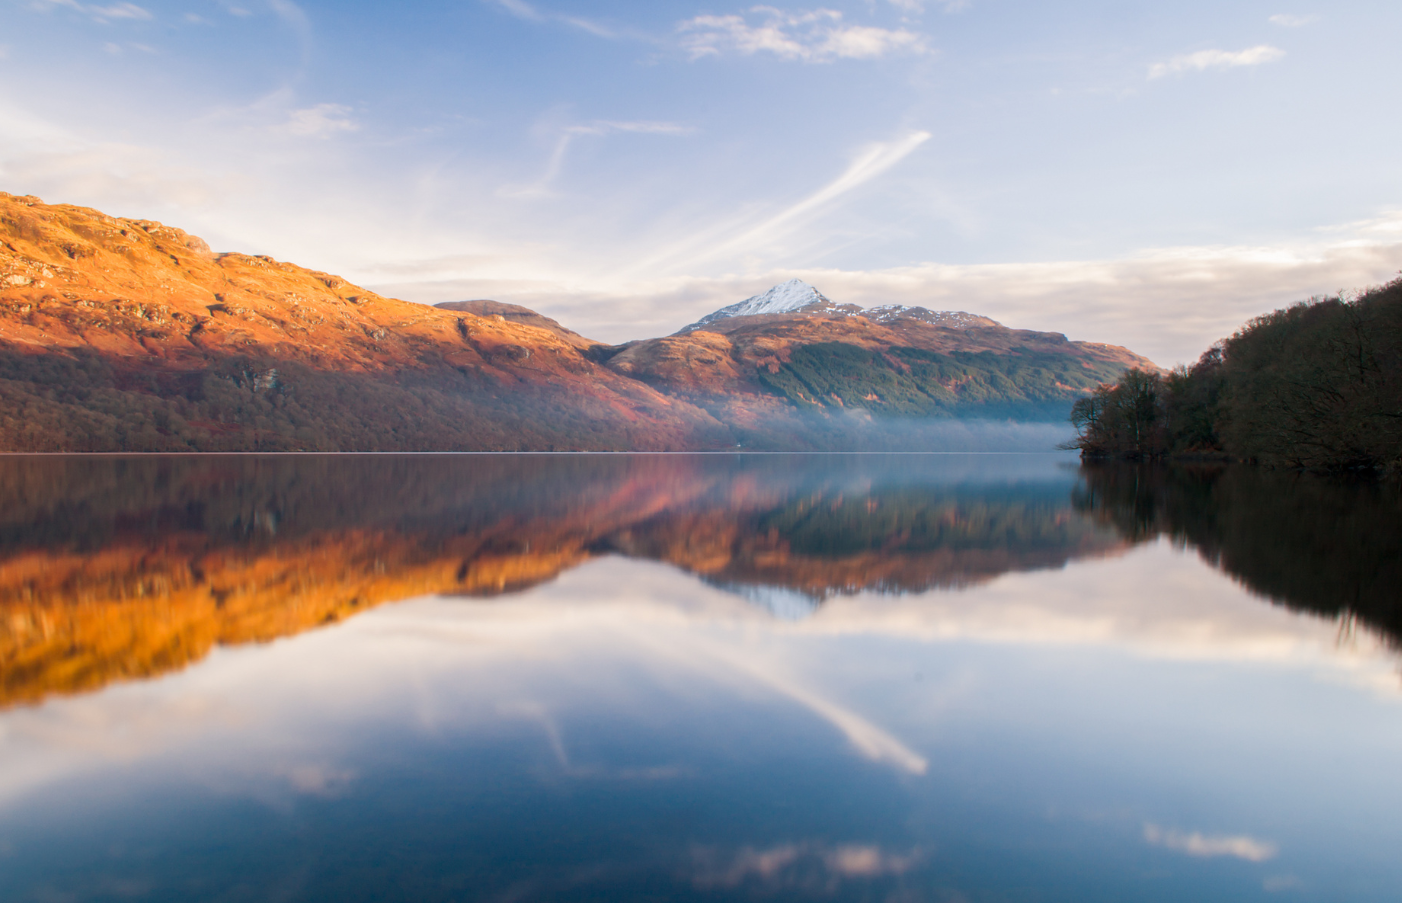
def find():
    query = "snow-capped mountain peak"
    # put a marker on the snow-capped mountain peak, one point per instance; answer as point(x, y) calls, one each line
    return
point(786, 297)
point(797, 296)
point(782, 298)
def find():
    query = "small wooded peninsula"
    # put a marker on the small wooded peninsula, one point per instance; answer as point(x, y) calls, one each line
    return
point(1317, 385)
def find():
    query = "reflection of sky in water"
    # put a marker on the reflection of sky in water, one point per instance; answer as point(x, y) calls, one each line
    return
point(1128, 728)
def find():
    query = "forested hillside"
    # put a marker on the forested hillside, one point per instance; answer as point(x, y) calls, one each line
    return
point(1316, 385)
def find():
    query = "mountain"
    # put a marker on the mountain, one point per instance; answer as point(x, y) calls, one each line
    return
point(794, 346)
point(797, 297)
point(515, 313)
point(120, 334)
point(129, 335)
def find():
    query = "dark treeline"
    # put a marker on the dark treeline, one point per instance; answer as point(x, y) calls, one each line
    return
point(1327, 544)
point(1316, 385)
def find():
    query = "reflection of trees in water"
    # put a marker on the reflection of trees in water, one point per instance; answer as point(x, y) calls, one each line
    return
point(114, 568)
point(1331, 546)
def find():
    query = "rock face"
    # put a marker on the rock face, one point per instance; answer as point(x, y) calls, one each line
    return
point(120, 334)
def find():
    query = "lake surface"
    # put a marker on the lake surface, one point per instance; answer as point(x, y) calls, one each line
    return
point(712, 677)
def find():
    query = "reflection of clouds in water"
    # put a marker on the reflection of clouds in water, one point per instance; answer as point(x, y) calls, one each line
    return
point(1210, 845)
point(316, 780)
point(797, 864)
point(721, 658)
point(554, 737)
point(614, 626)
point(871, 741)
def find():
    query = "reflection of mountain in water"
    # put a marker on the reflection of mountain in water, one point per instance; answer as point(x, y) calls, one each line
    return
point(115, 568)
point(780, 601)
point(1328, 546)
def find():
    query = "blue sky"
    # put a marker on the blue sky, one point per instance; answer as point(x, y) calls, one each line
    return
point(1145, 174)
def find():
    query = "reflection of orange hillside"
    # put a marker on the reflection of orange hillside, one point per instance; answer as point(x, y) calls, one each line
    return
point(141, 605)
point(76, 622)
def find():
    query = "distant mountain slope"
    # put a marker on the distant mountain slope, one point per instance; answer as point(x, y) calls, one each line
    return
point(797, 297)
point(120, 334)
point(127, 334)
point(515, 313)
point(794, 344)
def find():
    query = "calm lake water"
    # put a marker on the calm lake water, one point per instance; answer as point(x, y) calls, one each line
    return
point(520, 678)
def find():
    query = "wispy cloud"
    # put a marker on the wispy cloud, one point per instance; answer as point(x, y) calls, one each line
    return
point(100, 13)
point(520, 9)
point(813, 36)
point(320, 121)
point(1211, 845)
point(1287, 20)
point(569, 134)
point(918, 6)
point(727, 238)
point(523, 10)
point(1216, 59)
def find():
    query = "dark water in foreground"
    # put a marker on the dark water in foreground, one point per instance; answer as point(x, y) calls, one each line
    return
point(519, 678)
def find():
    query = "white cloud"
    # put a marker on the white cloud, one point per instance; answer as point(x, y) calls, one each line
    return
point(321, 121)
point(1286, 20)
point(814, 36)
point(1207, 846)
point(1217, 59)
point(918, 6)
point(128, 11)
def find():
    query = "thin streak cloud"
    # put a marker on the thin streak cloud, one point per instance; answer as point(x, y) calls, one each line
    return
point(1216, 59)
point(871, 162)
point(526, 12)
point(129, 11)
point(567, 136)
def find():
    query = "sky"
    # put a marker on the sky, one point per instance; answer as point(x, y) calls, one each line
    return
point(1143, 174)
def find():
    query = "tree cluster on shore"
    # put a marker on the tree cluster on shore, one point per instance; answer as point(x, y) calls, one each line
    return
point(1316, 385)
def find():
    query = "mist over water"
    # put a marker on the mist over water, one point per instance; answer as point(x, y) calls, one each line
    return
point(711, 677)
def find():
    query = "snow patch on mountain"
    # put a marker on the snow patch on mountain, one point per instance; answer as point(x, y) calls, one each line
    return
point(787, 297)
point(954, 319)
point(797, 296)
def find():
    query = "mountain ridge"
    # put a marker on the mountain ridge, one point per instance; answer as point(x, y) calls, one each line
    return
point(120, 334)
point(798, 297)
